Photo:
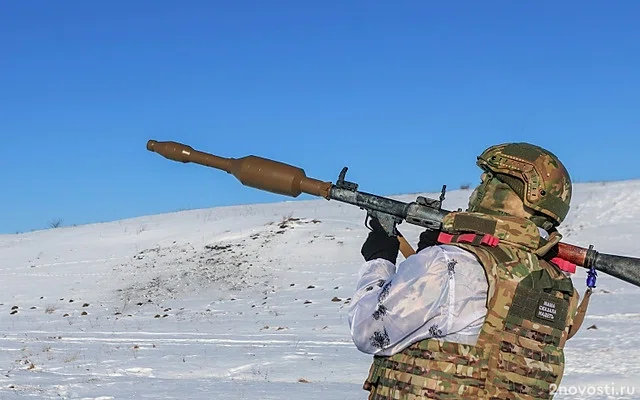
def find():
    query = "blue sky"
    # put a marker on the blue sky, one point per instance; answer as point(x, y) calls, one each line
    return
point(406, 94)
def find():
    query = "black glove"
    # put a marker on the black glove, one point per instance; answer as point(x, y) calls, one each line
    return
point(379, 244)
point(428, 238)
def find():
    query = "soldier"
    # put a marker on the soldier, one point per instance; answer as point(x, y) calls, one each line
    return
point(480, 311)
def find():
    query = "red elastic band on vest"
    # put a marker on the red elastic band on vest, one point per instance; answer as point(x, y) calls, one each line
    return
point(444, 237)
point(490, 240)
point(466, 238)
point(564, 265)
point(487, 239)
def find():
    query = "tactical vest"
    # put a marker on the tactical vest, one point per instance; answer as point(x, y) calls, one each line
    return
point(519, 353)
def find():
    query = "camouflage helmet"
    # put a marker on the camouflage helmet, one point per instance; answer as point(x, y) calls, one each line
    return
point(535, 174)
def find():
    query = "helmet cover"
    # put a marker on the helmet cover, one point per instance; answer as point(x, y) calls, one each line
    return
point(541, 180)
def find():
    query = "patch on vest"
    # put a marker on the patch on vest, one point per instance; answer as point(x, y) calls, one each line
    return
point(539, 307)
point(547, 309)
point(466, 222)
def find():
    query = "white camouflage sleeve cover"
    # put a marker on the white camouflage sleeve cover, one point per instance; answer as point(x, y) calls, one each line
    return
point(439, 292)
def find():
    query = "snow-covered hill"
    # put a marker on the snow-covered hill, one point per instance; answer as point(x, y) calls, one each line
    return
point(250, 302)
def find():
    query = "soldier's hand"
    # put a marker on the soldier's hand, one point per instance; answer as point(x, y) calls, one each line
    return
point(428, 238)
point(380, 245)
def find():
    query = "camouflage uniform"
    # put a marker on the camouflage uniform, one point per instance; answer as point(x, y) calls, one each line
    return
point(531, 303)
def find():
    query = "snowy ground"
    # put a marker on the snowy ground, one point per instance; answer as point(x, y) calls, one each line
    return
point(250, 302)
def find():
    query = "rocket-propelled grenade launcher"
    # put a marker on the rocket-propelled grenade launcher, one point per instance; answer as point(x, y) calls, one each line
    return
point(288, 180)
point(256, 172)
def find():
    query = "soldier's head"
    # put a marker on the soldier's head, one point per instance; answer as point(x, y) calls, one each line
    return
point(524, 180)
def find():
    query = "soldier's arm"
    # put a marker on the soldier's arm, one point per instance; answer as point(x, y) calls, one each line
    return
point(389, 306)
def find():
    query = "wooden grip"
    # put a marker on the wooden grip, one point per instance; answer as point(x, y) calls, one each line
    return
point(405, 247)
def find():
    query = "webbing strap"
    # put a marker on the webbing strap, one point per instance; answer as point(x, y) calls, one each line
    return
point(580, 313)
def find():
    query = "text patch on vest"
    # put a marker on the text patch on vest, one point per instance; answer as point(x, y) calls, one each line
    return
point(547, 309)
point(540, 307)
